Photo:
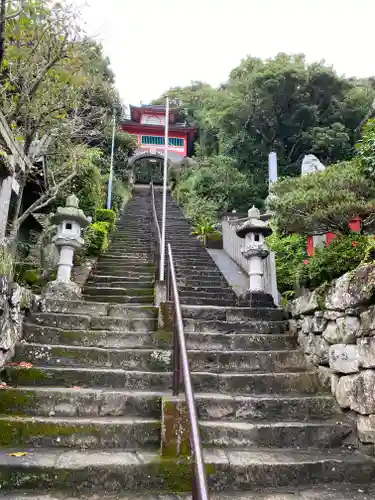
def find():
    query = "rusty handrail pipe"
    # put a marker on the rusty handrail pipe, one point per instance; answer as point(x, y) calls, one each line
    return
point(200, 472)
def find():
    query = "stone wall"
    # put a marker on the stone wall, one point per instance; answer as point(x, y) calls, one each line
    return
point(335, 325)
point(15, 302)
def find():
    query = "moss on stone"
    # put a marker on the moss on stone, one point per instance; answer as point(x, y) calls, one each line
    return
point(16, 401)
point(25, 376)
point(321, 293)
point(163, 338)
point(177, 474)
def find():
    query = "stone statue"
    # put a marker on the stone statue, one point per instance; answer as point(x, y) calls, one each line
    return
point(311, 165)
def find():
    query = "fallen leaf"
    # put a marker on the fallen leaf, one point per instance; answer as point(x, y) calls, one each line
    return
point(3, 385)
point(76, 387)
point(18, 454)
point(22, 364)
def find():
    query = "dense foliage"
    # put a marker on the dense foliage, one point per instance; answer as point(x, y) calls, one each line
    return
point(96, 238)
point(58, 95)
point(282, 104)
point(324, 201)
point(105, 215)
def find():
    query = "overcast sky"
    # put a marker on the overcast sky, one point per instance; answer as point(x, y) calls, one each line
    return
point(156, 44)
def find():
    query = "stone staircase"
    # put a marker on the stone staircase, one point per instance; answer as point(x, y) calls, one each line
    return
point(83, 402)
point(199, 279)
point(125, 273)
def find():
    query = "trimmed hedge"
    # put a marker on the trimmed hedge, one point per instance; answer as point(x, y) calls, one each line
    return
point(96, 238)
point(106, 215)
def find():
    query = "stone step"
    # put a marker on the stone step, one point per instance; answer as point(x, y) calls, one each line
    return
point(316, 492)
point(72, 307)
point(80, 322)
point(232, 314)
point(109, 290)
point(79, 432)
point(221, 293)
point(159, 360)
point(149, 275)
point(243, 435)
point(253, 326)
point(113, 279)
point(125, 339)
point(118, 285)
point(139, 258)
point(191, 300)
point(226, 383)
point(106, 472)
point(121, 299)
point(68, 402)
point(130, 266)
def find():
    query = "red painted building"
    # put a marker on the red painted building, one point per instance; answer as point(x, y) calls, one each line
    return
point(327, 238)
point(147, 123)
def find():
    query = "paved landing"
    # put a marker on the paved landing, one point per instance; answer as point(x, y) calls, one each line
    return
point(231, 271)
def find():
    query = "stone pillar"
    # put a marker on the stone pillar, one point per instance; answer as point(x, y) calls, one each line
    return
point(175, 430)
point(255, 250)
point(65, 263)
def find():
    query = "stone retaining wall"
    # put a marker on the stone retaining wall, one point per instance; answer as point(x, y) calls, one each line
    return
point(335, 325)
point(15, 301)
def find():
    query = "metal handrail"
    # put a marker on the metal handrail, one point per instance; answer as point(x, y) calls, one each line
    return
point(181, 364)
point(200, 492)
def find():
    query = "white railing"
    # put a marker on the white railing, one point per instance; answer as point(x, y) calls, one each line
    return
point(232, 245)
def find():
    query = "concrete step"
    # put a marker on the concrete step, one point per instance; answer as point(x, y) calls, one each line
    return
point(149, 275)
point(159, 360)
point(80, 322)
point(133, 339)
point(200, 301)
point(130, 266)
point(251, 326)
point(68, 402)
point(319, 435)
point(316, 492)
point(226, 383)
point(108, 279)
point(79, 432)
point(72, 307)
point(98, 471)
point(121, 299)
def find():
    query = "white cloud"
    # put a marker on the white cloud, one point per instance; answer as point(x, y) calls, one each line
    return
point(154, 45)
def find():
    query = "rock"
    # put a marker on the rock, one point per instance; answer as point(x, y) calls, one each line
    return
point(353, 289)
point(331, 333)
point(333, 315)
point(319, 322)
point(348, 328)
point(344, 390)
point(366, 352)
point(293, 326)
point(366, 428)
point(334, 382)
point(306, 304)
point(60, 290)
point(306, 324)
point(362, 395)
point(318, 349)
point(311, 165)
point(303, 340)
point(367, 322)
point(344, 358)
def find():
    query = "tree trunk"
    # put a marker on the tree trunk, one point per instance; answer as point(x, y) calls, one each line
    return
point(14, 226)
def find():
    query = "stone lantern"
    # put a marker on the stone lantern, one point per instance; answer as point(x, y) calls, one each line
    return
point(69, 220)
point(253, 231)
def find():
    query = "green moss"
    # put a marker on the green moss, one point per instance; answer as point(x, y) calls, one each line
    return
point(321, 293)
point(25, 376)
point(170, 444)
point(15, 401)
point(31, 276)
point(177, 474)
point(163, 338)
point(18, 433)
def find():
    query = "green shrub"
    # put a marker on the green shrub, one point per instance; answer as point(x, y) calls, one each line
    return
point(342, 255)
point(96, 238)
point(31, 276)
point(290, 251)
point(106, 215)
